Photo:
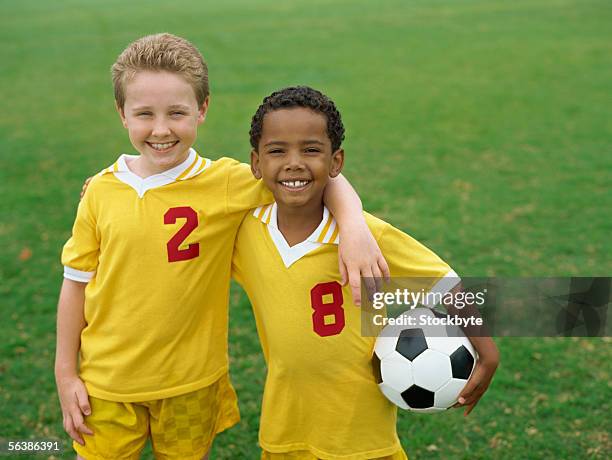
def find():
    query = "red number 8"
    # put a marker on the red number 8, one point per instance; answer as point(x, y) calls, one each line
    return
point(321, 310)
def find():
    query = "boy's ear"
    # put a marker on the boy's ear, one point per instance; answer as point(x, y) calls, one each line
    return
point(337, 162)
point(121, 114)
point(203, 110)
point(255, 164)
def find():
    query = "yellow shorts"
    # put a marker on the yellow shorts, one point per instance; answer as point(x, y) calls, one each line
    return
point(306, 455)
point(182, 427)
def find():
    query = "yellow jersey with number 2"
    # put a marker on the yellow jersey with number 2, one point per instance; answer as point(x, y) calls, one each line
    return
point(156, 254)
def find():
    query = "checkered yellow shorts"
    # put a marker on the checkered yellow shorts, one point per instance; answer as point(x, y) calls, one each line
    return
point(306, 455)
point(182, 427)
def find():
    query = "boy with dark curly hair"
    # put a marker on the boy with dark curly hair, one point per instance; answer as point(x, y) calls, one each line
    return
point(321, 400)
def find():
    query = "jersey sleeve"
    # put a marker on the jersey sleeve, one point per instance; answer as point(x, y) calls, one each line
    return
point(243, 190)
point(245, 234)
point(237, 269)
point(409, 259)
point(81, 251)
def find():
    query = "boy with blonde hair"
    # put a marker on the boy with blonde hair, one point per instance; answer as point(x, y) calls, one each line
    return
point(321, 400)
point(144, 300)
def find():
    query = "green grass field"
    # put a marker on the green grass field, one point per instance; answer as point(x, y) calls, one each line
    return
point(482, 128)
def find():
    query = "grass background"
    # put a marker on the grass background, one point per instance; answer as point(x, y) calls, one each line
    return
point(483, 128)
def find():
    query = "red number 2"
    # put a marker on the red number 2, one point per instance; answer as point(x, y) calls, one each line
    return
point(333, 308)
point(193, 250)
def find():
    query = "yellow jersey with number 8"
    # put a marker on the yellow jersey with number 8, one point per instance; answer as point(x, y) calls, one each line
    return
point(320, 393)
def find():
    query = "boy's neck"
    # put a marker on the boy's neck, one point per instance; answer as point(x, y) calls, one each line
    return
point(136, 167)
point(297, 223)
point(142, 169)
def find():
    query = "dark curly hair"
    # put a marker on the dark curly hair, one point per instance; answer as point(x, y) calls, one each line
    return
point(299, 96)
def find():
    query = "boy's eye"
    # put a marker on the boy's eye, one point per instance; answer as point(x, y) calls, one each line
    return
point(177, 114)
point(144, 114)
point(312, 150)
point(275, 151)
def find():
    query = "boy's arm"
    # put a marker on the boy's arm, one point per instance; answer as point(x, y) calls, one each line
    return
point(358, 252)
point(71, 389)
point(488, 357)
point(488, 360)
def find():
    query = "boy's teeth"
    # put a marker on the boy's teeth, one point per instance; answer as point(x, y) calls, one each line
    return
point(165, 146)
point(294, 183)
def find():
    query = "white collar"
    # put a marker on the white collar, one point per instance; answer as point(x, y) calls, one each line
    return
point(325, 233)
point(191, 167)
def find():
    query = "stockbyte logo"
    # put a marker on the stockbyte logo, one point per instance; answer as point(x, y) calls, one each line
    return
point(424, 320)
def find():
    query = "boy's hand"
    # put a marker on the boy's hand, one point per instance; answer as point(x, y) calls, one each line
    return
point(85, 185)
point(75, 406)
point(360, 256)
point(478, 383)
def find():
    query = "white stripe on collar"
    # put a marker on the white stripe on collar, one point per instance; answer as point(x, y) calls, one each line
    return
point(191, 167)
point(325, 233)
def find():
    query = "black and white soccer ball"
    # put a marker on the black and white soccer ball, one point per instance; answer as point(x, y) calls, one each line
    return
point(423, 368)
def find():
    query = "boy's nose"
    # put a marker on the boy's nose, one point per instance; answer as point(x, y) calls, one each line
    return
point(160, 129)
point(294, 161)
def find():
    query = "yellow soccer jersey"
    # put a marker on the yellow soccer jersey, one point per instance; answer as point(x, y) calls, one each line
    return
point(320, 393)
point(156, 254)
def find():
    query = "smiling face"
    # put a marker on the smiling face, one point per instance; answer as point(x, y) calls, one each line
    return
point(162, 116)
point(294, 156)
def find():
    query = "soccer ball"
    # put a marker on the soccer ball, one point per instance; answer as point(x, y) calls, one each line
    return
point(422, 367)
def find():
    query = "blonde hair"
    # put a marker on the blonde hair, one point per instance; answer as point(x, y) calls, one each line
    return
point(161, 52)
